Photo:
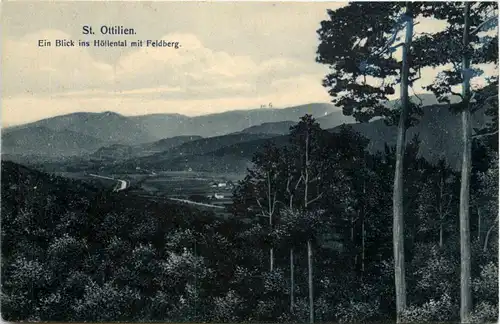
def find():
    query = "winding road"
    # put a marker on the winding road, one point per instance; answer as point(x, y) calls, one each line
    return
point(123, 183)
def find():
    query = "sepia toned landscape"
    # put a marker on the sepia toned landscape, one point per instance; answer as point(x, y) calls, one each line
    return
point(351, 177)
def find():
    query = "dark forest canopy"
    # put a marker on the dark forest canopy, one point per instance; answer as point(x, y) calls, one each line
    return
point(129, 259)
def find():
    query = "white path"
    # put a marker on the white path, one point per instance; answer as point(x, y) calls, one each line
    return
point(123, 183)
point(195, 203)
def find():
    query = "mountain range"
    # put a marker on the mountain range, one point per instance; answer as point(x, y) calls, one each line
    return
point(216, 142)
point(83, 133)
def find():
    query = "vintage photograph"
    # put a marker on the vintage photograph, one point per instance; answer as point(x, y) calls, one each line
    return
point(277, 162)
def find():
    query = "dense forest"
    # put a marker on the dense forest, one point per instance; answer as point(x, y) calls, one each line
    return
point(73, 252)
point(321, 230)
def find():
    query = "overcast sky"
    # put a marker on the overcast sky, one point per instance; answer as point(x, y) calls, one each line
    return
point(233, 56)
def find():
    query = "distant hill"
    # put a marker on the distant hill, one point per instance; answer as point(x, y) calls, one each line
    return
point(21, 184)
point(278, 128)
point(197, 149)
point(108, 127)
point(165, 136)
point(49, 142)
point(82, 133)
point(329, 120)
point(439, 133)
point(123, 152)
point(334, 119)
point(162, 126)
point(114, 151)
point(167, 143)
point(218, 124)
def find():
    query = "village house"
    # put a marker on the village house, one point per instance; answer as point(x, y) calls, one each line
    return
point(218, 196)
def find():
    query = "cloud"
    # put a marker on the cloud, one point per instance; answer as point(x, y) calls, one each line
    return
point(191, 80)
point(28, 68)
point(238, 57)
point(193, 68)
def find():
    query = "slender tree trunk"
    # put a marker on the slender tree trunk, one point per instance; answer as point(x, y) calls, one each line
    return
point(270, 206)
point(271, 250)
point(441, 217)
point(306, 173)
point(465, 249)
point(479, 224)
point(355, 258)
point(398, 221)
point(310, 280)
point(485, 247)
point(441, 235)
point(309, 246)
point(292, 282)
point(352, 229)
point(363, 232)
point(292, 267)
point(363, 245)
point(271, 256)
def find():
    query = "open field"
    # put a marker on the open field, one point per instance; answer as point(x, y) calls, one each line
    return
point(200, 187)
point(186, 185)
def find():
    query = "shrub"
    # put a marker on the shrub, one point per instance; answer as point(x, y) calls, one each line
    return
point(443, 309)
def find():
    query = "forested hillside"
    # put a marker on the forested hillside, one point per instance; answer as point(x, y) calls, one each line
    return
point(82, 253)
point(71, 252)
point(327, 201)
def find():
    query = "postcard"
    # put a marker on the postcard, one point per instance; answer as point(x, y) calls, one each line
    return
point(218, 161)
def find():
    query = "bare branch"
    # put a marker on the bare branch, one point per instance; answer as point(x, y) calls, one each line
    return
point(275, 200)
point(491, 97)
point(457, 94)
point(481, 25)
point(314, 179)
point(262, 208)
point(298, 181)
point(414, 93)
point(415, 79)
point(389, 43)
point(398, 45)
point(486, 134)
point(313, 200)
point(485, 247)
point(478, 107)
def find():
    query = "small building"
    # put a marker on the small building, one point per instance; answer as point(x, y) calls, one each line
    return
point(221, 185)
